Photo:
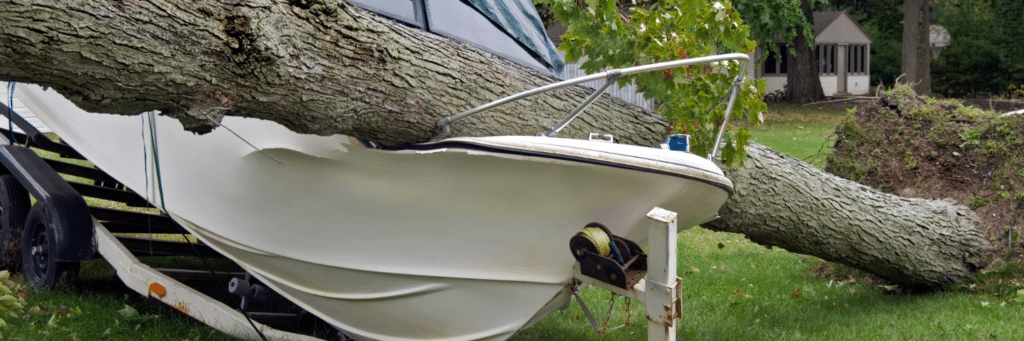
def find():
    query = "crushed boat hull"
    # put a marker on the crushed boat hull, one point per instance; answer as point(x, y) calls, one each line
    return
point(463, 239)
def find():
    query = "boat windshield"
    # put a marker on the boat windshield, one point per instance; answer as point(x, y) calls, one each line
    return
point(508, 28)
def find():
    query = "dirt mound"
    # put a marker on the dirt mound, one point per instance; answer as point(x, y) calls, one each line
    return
point(921, 147)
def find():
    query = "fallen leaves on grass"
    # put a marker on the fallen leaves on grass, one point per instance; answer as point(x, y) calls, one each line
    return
point(10, 304)
point(128, 311)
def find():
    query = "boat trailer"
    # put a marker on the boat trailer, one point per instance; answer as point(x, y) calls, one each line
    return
point(61, 229)
point(49, 239)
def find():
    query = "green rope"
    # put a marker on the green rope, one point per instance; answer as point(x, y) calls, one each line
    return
point(10, 106)
point(599, 238)
point(156, 161)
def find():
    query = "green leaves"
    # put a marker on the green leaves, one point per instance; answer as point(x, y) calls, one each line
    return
point(669, 30)
point(785, 17)
point(10, 304)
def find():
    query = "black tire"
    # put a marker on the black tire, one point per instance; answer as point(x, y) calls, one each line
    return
point(39, 269)
point(14, 205)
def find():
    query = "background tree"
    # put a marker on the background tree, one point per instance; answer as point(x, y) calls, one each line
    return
point(1009, 19)
point(611, 35)
point(970, 65)
point(916, 48)
point(788, 21)
point(985, 56)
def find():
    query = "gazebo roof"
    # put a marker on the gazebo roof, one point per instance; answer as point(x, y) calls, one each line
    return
point(838, 27)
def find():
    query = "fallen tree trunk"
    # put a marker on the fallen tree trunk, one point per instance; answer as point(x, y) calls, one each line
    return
point(784, 202)
point(320, 67)
point(326, 67)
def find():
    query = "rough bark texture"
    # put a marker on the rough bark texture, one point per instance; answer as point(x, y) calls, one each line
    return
point(325, 67)
point(321, 67)
point(917, 46)
point(781, 201)
point(802, 82)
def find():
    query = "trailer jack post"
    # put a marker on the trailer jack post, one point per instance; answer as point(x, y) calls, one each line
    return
point(663, 305)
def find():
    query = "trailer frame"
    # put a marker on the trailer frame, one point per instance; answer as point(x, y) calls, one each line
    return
point(87, 232)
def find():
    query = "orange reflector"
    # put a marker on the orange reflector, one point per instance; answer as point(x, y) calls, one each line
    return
point(158, 289)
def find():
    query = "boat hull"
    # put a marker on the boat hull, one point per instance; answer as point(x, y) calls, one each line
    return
point(457, 241)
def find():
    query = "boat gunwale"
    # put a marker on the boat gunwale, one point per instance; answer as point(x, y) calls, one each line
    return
point(468, 145)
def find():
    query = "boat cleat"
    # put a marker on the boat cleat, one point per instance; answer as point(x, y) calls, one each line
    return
point(601, 137)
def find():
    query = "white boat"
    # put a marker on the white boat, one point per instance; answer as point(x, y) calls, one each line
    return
point(454, 239)
point(458, 239)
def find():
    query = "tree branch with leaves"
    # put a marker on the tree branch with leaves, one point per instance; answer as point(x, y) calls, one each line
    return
point(609, 34)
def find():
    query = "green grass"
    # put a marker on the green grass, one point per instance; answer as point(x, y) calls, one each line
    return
point(106, 312)
point(799, 131)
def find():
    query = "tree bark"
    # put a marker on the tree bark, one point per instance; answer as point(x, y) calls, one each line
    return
point(320, 67)
point(917, 56)
point(781, 201)
point(803, 84)
point(325, 67)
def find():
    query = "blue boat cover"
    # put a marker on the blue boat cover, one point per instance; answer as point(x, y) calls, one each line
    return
point(520, 21)
point(508, 28)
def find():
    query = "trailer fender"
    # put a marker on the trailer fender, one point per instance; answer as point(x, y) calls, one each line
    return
point(67, 212)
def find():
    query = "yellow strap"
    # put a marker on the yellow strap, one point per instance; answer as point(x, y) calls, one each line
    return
point(599, 238)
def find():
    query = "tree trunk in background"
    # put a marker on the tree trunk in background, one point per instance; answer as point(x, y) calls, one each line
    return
point(320, 67)
point(917, 56)
point(781, 201)
point(802, 82)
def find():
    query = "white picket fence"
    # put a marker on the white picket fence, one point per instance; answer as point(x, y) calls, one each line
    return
point(627, 93)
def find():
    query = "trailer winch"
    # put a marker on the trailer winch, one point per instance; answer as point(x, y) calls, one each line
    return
point(607, 257)
point(621, 267)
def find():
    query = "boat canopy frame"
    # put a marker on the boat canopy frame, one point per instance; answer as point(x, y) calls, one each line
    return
point(610, 77)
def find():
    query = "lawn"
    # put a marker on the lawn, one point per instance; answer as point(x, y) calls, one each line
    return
point(803, 132)
point(733, 290)
point(744, 291)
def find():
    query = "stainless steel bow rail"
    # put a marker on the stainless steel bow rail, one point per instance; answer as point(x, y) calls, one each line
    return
point(610, 77)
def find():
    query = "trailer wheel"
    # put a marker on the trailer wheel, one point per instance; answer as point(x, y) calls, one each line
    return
point(14, 205)
point(38, 239)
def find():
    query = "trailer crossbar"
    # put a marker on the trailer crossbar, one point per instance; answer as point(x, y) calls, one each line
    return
point(152, 283)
